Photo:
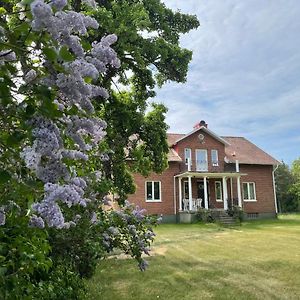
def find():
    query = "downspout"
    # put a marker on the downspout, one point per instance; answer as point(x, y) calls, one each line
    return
point(274, 188)
point(175, 207)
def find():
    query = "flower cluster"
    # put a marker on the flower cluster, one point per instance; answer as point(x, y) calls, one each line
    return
point(48, 155)
point(71, 194)
point(62, 26)
point(133, 226)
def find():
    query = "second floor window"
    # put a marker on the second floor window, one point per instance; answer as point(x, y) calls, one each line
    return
point(187, 155)
point(214, 158)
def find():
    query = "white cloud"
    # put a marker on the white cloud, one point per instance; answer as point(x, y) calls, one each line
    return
point(244, 77)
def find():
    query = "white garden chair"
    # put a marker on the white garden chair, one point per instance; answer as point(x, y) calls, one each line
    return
point(199, 203)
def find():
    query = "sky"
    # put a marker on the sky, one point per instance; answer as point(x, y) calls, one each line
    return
point(244, 79)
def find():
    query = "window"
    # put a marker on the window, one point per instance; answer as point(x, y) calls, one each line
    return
point(218, 190)
point(187, 155)
point(201, 160)
point(214, 158)
point(153, 191)
point(249, 191)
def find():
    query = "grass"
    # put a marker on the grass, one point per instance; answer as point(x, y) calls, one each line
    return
point(258, 260)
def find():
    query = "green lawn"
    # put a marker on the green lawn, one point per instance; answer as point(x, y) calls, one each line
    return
point(258, 260)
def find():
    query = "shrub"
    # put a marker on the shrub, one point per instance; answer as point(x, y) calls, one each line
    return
point(205, 215)
point(236, 212)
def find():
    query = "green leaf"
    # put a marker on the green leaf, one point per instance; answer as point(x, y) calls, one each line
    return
point(65, 54)
point(26, 2)
point(4, 176)
point(50, 53)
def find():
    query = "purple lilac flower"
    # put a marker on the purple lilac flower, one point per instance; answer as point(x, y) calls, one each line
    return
point(36, 222)
point(143, 265)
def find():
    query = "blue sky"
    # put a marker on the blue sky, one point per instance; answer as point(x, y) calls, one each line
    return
point(244, 79)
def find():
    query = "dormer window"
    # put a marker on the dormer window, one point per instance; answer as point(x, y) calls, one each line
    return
point(187, 155)
point(214, 158)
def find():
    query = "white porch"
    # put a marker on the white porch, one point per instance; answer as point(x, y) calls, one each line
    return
point(191, 202)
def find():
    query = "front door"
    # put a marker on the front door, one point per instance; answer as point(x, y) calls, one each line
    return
point(201, 160)
point(200, 192)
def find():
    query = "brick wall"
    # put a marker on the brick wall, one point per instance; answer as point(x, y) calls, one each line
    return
point(209, 143)
point(262, 176)
point(166, 206)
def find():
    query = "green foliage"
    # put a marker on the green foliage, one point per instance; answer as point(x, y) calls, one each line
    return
point(237, 213)
point(286, 188)
point(23, 257)
point(51, 264)
point(205, 215)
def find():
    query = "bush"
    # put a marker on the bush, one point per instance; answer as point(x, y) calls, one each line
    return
point(237, 213)
point(205, 215)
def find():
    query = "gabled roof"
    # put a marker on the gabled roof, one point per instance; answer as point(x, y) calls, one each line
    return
point(205, 129)
point(173, 137)
point(173, 156)
point(236, 148)
point(246, 152)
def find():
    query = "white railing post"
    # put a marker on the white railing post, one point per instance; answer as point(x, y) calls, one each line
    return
point(180, 193)
point(189, 165)
point(237, 166)
point(225, 196)
point(205, 193)
point(238, 183)
point(190, 193)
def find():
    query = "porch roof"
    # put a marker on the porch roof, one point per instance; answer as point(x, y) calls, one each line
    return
point(210, 175)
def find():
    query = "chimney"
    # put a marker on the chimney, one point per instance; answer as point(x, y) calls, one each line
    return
point(200, 124)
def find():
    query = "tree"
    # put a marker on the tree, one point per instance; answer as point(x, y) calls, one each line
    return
point(67, 128)
point(295, 187)
point(284, 181)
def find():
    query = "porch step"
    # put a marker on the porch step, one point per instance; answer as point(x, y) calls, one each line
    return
point(227, 220)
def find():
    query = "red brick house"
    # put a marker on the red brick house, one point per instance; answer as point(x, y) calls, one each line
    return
point(209, 171)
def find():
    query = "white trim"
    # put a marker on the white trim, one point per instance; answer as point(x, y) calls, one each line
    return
point(210, 175)
point(153, 200)
point(218, 200)
point(208, 132)
point(248, 190)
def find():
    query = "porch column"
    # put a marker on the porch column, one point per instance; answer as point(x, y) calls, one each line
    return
point(205, 193)
point(225, 196)
point(238, 183)
point(180, 193)
point(190, 193)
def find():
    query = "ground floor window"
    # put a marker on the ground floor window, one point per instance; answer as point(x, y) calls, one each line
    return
point(249, 191)
point(218, 190)
point(153, 191)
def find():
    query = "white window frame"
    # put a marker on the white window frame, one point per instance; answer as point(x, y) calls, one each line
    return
point(205, 161)
point(185, 156)
point(248, 190)
point(216, 163)
point(146, 196)
point(218, 200)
